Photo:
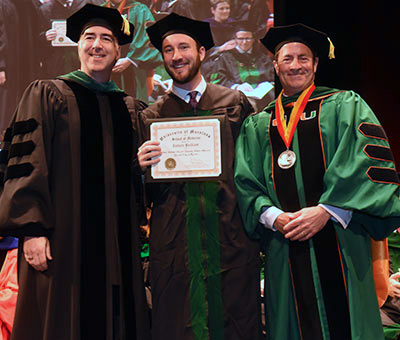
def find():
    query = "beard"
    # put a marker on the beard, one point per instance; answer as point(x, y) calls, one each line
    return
point(184, 78)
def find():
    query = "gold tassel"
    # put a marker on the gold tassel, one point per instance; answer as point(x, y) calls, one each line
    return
point(331, 49)
point(125, 26)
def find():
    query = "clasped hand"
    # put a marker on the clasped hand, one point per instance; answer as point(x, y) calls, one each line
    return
point(303, 224)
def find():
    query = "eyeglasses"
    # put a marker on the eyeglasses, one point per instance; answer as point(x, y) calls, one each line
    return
point(244, 39)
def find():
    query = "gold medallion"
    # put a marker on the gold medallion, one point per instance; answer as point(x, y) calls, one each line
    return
point(170, 164)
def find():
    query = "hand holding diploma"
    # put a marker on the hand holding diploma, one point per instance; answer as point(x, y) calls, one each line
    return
point(148, 154)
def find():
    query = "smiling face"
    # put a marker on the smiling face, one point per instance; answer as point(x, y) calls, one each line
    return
point(221, 11)
point(295, 66)
point(245, 40)
point(98, 51)
point(182, 59)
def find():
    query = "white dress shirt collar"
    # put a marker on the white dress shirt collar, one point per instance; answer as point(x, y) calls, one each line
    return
point(184, 94)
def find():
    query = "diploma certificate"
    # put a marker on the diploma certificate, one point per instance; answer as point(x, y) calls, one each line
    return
point(191, 148)
point(61, 40)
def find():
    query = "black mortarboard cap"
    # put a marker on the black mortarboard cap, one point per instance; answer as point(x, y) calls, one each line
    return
point(92, 15)
point(245, 26)
point(317, 41)
point(174, 23)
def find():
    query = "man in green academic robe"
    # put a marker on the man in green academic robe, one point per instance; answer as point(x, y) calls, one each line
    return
point(316, 180)
point(72, 196)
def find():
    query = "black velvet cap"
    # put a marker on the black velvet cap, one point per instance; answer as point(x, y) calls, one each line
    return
point(317, 41)
point(174, 23)
point(92, 15)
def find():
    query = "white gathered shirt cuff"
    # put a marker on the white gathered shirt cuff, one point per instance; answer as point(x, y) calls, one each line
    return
point(339, 215)
point(132, 62)
point(126, 58)
point(342, 216)
point(269, 216)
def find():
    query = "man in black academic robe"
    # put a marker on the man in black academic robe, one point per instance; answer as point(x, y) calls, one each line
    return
point(204, 270)
point(71, 195)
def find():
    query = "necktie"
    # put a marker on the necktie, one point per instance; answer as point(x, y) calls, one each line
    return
point(193, 101)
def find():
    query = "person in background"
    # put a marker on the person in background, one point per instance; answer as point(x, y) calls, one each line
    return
point(247, 68)
point(72, 195)
point(220, 22)
point(193, 9)
point(57, 59)
point(316, 181)
point(8, 85)
point(134, 70)
point(204, 270)
point(19, 61)
point(255, 11)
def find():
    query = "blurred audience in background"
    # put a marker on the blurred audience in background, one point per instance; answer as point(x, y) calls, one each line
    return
point(33, 45)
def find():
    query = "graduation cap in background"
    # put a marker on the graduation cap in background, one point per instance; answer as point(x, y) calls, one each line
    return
point(317, 41)
point(92, 15)
point(174, 23)
point(244, 26)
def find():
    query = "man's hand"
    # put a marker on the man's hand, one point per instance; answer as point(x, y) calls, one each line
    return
point(146, 153)
point(306, 224)
point(37, 252)
point(51, 34)
point(229, 45)
point(394, 285)
point(166, 85)
point(121, 65)
point(3, 78)
point(284, 219)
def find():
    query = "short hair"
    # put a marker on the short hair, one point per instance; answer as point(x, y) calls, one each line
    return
point(214, 3)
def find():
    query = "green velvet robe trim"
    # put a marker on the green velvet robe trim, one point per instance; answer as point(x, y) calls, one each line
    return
point(82, 78)
point(248, 74)
point(204, 256)
point(195, 239)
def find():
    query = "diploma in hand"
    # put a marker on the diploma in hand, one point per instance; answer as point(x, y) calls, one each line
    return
point(191, 148)
point(61, 40)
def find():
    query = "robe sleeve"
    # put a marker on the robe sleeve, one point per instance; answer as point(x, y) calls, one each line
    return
point(361, 174)
point(135, 107)
point(225, 71)
point(26, 205)
point(249, 175)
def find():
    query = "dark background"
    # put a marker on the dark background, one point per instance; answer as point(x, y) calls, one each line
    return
point(366, 37)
